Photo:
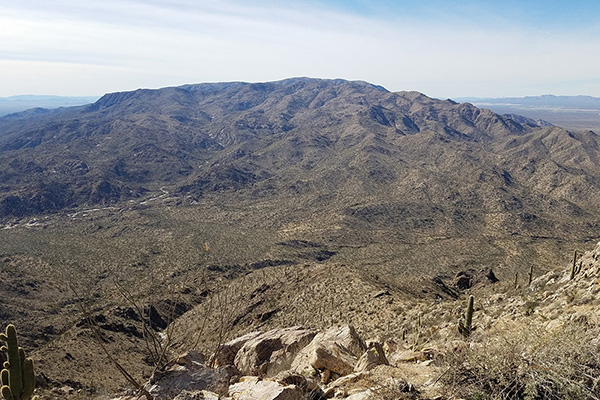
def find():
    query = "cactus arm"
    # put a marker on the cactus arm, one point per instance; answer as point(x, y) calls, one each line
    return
point(4, 378)
point(6, 393)
point(5, 389)
point(28, 379)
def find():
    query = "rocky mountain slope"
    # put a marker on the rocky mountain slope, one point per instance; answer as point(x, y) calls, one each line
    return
point(298, 136)
point(536, 339)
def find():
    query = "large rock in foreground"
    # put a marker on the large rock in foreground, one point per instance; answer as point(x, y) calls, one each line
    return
point(187, 372)
point(373, 357)
point(272, 352)
point(281, 364)
point(336, 350)
point(252, 388)
point(228, 351)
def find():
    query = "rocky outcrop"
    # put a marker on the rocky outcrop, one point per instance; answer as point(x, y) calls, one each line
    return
point(187, 372)
point(272, 352)
point(464, 280)
point(228, 351)
point(197, 395)
point(336, 350)
point(589, 263)
point(281, 364)
point(583, 285)
point(373, 357)
point(253, 388)
point(308, 384)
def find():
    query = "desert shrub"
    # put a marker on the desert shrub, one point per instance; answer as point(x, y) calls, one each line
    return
point(530, 306)
point(528, 362)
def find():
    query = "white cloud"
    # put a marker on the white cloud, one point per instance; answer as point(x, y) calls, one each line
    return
point(121, 45)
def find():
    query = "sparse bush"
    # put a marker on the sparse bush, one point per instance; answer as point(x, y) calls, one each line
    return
point(529, 363)
point(530, 306)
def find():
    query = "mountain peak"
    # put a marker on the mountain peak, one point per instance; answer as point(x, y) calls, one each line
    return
point(237, 136)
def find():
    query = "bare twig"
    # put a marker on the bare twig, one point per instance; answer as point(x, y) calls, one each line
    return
point(100, 341)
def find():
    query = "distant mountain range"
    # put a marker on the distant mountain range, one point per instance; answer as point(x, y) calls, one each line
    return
point(12, 104)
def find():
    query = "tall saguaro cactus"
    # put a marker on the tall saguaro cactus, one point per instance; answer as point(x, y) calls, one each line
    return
point(575, 269)
point(18, 379)
point(530, 276)
point(465, 326)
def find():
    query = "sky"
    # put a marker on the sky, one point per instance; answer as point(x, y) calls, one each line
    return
point(443, 48)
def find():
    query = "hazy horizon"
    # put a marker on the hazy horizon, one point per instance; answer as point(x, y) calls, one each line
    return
point(443, 49)
point(35, 96)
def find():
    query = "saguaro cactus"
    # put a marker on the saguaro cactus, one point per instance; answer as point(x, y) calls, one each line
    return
point(465, 326)
point(18, 379)
point(530, 276)
point(575, 269)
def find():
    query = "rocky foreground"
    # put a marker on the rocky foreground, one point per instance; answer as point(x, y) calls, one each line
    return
point(537, 339)
point(293, 364)
point(540, 342)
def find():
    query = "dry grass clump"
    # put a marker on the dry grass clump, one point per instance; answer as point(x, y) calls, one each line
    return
point(529, 362)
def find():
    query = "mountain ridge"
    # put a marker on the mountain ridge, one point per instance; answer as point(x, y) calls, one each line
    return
point(312, 160)
point(209, 138)
point(145, 102)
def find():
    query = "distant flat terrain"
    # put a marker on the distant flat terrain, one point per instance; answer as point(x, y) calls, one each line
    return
point(570, 112)
point(13, 104)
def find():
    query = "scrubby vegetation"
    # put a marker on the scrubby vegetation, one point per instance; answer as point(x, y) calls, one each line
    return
point(524, 360)
point(535, 342)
